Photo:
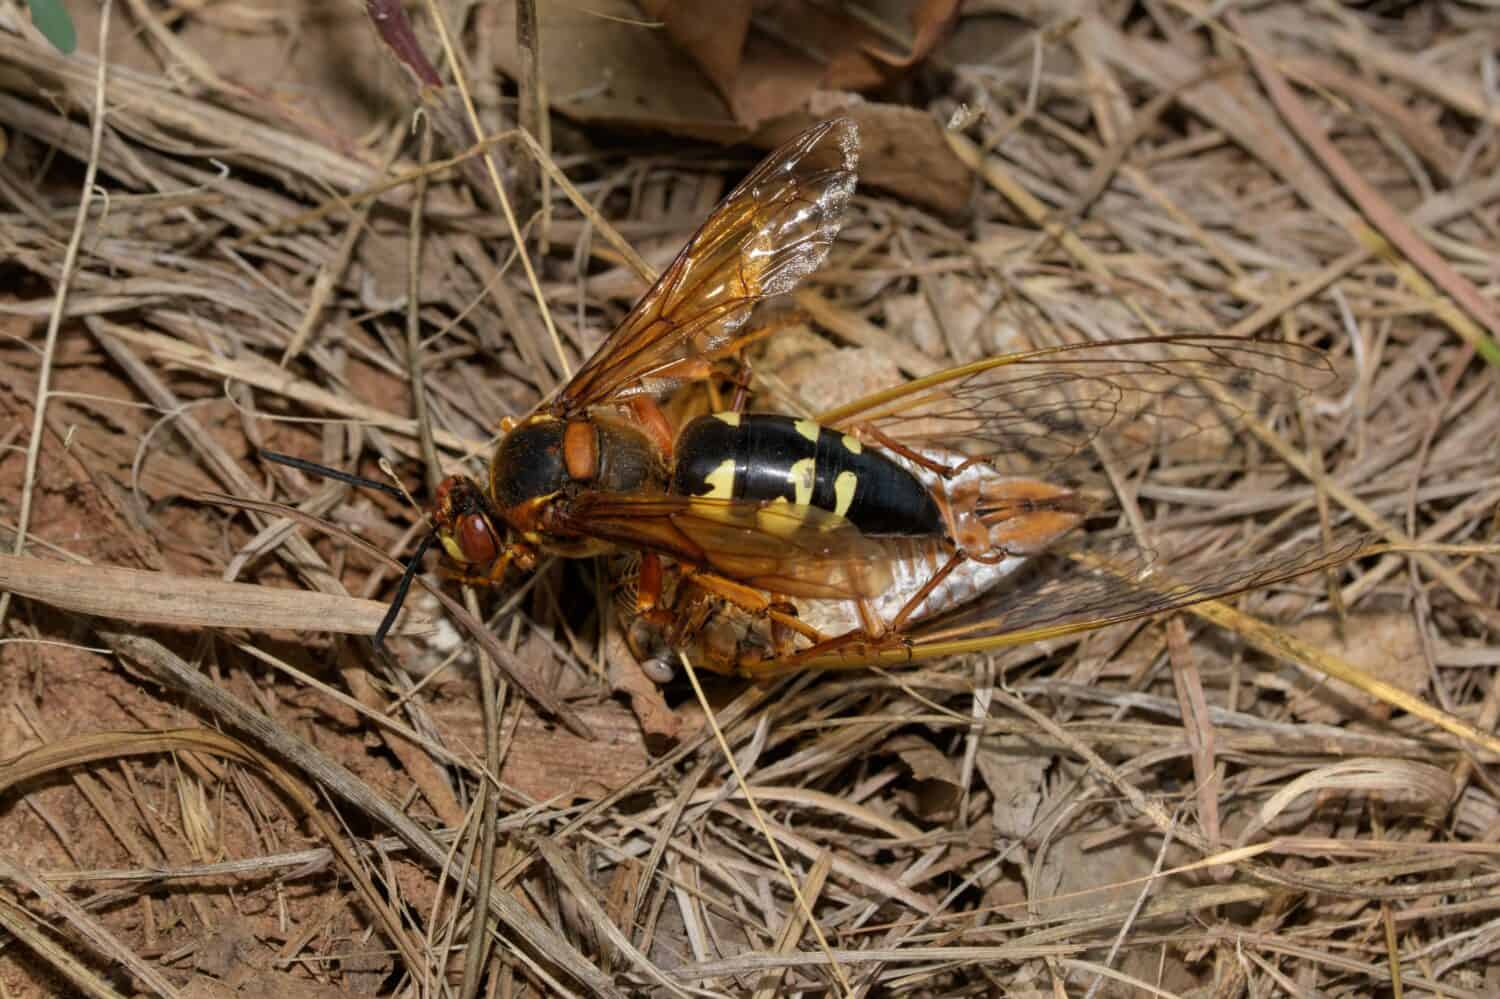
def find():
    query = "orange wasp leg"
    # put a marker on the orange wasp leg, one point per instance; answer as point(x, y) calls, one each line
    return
point(648, 591)
point(870, 639)
point(700, 606)
point(742, 375)
point(701, 367)
point(738, 344)
point(697, 595)
point(653, 422)
point(493, 576)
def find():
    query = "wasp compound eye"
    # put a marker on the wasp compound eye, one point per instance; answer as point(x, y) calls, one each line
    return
point(476, 540)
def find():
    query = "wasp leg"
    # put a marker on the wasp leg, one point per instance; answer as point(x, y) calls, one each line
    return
point(653, 422)
point(686, 624)
point(875, 635)
point(679, 628)
point(737, 375)
point(741, 381)
point(493, 576)
point(760, 332)
point(683, 628)
point(648, 589)
point(659, 629)
point(702, 367)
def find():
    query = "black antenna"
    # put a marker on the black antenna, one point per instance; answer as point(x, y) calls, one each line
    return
point(412, 564)
point(323, 471)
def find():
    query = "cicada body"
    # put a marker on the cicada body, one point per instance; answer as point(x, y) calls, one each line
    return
point(944, 540)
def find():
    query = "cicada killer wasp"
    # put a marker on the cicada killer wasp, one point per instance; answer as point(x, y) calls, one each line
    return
point(879, 532)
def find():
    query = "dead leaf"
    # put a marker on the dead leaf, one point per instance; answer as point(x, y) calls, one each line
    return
point(337, 100)
point(661, 725)
point(1005, 897)
point(936, 785)
point(1013, 771)
point(767, 58)
point(1073, 878)
point(602, 66)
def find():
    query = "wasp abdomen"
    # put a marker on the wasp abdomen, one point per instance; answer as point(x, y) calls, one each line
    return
point(754, 456)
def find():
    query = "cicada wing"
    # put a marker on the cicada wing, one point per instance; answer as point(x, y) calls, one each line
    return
point(1039, 412)
point(1103, 587)
point(1093, 588)
point(772, 230)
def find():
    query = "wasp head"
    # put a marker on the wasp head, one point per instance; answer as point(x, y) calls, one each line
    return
point(466, 528)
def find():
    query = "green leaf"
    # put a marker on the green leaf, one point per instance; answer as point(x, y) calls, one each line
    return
point(52, 20)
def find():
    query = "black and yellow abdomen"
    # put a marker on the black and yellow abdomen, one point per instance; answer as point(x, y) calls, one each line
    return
point(754, 456)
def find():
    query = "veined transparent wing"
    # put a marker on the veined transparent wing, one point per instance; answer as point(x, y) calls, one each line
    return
point(1086, 588)
point(766, 236)
point(1034, 412)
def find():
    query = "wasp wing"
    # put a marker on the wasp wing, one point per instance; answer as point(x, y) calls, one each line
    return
point(1038, 412)
point(791, 550)
point(769, 233)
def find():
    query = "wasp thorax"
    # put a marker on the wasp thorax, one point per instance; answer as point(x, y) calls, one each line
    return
point(546, 457)
point(528, 464)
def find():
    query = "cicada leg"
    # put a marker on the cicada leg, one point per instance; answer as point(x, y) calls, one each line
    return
point(752, 601)
point(854, 645)
point(655, 634)
point(933, 582)
point(895, 446)
point(683, 620)
point(876, 635)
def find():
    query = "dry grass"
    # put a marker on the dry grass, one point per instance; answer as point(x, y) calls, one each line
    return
point(208, 793)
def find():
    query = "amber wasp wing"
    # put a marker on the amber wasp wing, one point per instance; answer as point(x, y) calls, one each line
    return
point(771, 231)
point(787, 550)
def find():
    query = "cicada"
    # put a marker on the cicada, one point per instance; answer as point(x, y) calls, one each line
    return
point(881, 532)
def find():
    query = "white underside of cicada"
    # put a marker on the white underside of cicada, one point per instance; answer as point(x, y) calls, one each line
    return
point(923, 558)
